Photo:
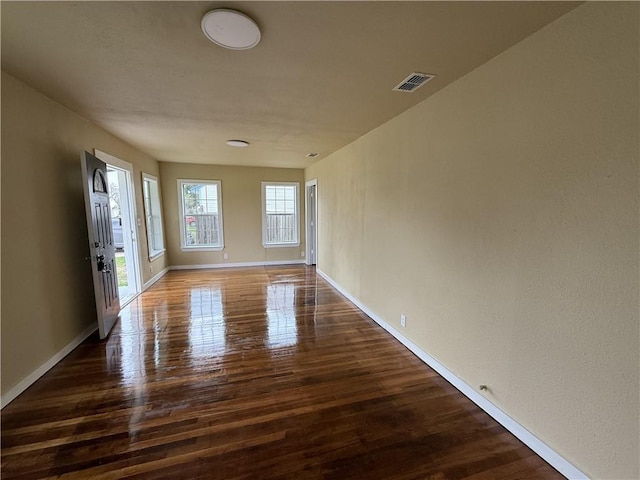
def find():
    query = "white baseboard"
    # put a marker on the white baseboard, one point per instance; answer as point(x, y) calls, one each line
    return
point(234, 265)
point(534, 443)
point(46, 366)
point(155, 278)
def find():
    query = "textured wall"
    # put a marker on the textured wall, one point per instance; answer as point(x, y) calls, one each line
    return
point(501, 216)
point(47, 289)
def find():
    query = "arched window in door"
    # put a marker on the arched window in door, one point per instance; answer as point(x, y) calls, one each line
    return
point(99, 182)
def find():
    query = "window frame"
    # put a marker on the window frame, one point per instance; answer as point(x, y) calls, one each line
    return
point(296, 242)
point(149, 211)
point(181, 216)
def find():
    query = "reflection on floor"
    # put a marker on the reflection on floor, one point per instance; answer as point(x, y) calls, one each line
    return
point(261, 373)
point(125, 291)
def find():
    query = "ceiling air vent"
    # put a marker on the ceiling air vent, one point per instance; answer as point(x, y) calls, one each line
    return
point(413, 81)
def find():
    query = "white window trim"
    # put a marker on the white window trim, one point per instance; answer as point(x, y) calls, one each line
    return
point(264, 216)
point(309, 257)
point(156, 253)
point(199, 248)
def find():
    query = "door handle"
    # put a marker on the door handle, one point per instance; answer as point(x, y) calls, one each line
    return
point(106, 271)
point(101, 265)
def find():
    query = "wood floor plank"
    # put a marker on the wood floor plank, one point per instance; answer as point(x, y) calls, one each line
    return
point(252, 373)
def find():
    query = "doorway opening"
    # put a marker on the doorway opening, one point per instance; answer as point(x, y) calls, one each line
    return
point(123, 222)
point(311, 202)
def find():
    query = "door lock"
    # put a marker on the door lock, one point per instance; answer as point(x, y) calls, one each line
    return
point(100, 259)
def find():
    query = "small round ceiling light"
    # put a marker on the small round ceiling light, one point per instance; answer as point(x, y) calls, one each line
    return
point(230, 29)
point(237, 143)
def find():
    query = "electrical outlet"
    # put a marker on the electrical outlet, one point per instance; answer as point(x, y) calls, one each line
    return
point(151, 268)
point(302, 254)
point(403, 320)
point(225, 256)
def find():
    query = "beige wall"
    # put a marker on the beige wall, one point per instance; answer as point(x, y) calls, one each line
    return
point(242, 212)
point(47, 297)
point(501, 216)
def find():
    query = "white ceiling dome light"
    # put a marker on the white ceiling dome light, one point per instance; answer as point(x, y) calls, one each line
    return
point(230, 29)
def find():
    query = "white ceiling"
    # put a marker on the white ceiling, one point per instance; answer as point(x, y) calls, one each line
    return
point(321, 76)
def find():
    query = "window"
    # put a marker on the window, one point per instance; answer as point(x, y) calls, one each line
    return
point(280, 223)
point(200, 215)
point(153, 215)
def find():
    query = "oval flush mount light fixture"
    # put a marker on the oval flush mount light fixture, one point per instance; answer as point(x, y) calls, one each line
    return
point(230, 29)
point(237, 143)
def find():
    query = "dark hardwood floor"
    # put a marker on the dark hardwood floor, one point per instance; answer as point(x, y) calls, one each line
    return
point(262, 373)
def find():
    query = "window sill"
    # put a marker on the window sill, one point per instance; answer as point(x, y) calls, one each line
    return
point(281, 245)
point(155, 255)
point(201, 249)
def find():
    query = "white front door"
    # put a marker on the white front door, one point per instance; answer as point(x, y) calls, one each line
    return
point(101, 245)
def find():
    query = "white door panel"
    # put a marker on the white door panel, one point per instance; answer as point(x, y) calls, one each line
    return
point(101, 245)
